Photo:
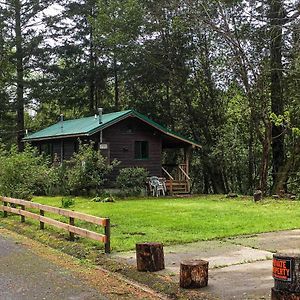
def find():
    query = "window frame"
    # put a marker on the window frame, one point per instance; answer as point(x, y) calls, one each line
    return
point(140, 144)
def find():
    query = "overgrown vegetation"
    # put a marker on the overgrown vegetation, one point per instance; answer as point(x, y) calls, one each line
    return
point(23, 174)
point(88, 171)
point(132, 180)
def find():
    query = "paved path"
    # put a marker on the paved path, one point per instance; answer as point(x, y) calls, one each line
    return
point(240, 268)
point(24, 275)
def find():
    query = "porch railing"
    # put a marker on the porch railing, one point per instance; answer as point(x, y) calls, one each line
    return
point(178, 179)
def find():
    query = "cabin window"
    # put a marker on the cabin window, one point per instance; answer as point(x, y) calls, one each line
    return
point(141, 150)
point(46, 149)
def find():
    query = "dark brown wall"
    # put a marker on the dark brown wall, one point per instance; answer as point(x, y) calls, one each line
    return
point(69, 147)
point(121, 138)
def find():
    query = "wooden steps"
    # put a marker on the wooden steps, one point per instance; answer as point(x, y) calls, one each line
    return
point(178, 186)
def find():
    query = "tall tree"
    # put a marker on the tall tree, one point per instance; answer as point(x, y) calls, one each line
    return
point(277, 103)
point(7, 129)
point(23, 19)
point(116, 29)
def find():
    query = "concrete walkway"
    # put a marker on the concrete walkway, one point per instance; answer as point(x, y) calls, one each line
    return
point(240, 268)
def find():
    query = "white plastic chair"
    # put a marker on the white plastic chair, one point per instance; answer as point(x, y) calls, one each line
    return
point(157, 186)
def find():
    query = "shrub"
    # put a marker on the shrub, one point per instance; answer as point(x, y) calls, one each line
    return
point(88, 170)
point(67, 202)
point(56, 183)
point(22, 173)
point(132, 180)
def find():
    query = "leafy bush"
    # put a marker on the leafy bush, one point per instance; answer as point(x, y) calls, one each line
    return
point(22, 173)
point(57, 183)
point(88, 171)
point(132, 180)
point(67, 202)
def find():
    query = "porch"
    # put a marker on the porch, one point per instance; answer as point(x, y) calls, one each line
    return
point(177, 177)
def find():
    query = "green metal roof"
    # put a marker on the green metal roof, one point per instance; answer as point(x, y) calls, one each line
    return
point(90, 125)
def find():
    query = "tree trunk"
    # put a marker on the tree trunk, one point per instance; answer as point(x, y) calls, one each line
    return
point(212, 173)
point(264, 167)
point(250, 158)
point(20, 76)
point(276, 19)
point(284, 171)
point(117, 100)
point(92, 104)
point(217, 181)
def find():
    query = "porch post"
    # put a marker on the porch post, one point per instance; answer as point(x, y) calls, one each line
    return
point(187, 157)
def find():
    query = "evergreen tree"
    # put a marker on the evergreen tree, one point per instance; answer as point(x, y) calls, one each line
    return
point(23, 20)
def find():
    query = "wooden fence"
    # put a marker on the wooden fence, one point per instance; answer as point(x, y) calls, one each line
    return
point(72, 215)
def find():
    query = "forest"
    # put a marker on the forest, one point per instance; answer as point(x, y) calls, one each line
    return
point(225, 73)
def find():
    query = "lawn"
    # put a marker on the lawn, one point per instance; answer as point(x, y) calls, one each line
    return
point(184, 220)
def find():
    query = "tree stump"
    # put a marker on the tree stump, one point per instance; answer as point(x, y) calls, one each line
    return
point(257, 196)
point(193, 274)
point(286, 274)
point(231, 195)
point(150, 257)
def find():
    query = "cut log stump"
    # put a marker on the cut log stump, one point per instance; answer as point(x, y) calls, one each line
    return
point(150, 257)
point(193, 274)
point(257, 196)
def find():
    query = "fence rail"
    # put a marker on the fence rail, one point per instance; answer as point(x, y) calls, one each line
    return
point(72, 215)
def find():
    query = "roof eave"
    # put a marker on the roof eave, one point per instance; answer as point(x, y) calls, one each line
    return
point(53, 137)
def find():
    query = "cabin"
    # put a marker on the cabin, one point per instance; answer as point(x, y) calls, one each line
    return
point(128, 136)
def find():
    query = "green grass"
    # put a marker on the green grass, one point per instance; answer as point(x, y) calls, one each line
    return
point(184, 220)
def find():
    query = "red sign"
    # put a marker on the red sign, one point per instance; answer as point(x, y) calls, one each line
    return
point(282, 269)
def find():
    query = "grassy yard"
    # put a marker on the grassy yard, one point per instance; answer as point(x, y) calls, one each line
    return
point(183, 220)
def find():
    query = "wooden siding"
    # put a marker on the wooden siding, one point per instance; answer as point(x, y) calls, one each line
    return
point(67, 147)
point(121, 138)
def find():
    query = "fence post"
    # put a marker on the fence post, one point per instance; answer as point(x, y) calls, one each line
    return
point(22, 217)
point(42, 224)
point(5, 212)
point(72, 223)
point(107, 234)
